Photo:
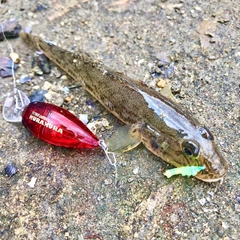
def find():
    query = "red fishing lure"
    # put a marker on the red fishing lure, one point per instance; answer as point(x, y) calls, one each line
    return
point(57, 126)
point(51, 123)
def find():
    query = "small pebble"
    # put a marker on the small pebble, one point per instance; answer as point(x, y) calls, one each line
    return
point(211, 193)
point(92, 126)
point(225, 225)
point(15, 57)
point(47, 85)
point(11, 29)
point(37, 71)
point(65, 90)
point(10, 170)
point(169, 72)
point(105, 122)
point(56, 72)
point(6, 67)
point(130, 180)
point(166, 91)
point(124, 163)
point(40, 8)
point(42, 62)
point(83, 118)
point(90, 103)
point(163, 62)
point(64, 77)
point(108, 181)
point(238, 199)
point(151, 65)
point(100, 124)
point(202, 201)
point(68, 99)
point(32, 182)
point(139, 37)
point(28, 29)
point(56, 88)
point(140, 62)
point(161, 83)
point(97, 117)
point(59, 101)
point(237, 208)
point(37, 96)
point(136, 170)
point(25, 78)
point(176, 87)
point(49, 95)
point(30, 14)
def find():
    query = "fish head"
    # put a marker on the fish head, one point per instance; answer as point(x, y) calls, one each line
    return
point(209, 156)
point(195, 149)
point(200, 149)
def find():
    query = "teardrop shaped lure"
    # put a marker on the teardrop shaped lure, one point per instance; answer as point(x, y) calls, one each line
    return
point(57, 126)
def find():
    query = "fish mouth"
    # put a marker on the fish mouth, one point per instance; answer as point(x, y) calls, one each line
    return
point(207, 178)
point(211, 177)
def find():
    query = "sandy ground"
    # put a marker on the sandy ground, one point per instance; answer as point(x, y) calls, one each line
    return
point(75, 195)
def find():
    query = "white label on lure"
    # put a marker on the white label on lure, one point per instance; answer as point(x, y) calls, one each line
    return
point(38, 118)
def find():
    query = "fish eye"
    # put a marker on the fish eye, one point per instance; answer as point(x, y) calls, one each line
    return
point(190, 148)
point(205, 133)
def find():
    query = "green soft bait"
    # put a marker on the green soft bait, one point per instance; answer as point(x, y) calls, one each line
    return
point(185, 171)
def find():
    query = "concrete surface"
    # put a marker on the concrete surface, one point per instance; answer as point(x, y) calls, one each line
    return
point(75, 195)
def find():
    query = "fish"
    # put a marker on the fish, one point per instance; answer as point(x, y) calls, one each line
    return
point(163, 126)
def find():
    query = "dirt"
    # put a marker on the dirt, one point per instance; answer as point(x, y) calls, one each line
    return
point(75, 195)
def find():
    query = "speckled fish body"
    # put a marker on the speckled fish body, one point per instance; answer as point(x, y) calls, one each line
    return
point(163, 126)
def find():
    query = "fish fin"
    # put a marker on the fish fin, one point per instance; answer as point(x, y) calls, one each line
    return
point(125, 138)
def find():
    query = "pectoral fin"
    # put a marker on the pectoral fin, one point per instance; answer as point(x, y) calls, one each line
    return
point(125, 138)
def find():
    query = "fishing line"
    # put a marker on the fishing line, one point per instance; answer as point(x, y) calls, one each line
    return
point(110, 156)
point(15, 102)
point(11, 50)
